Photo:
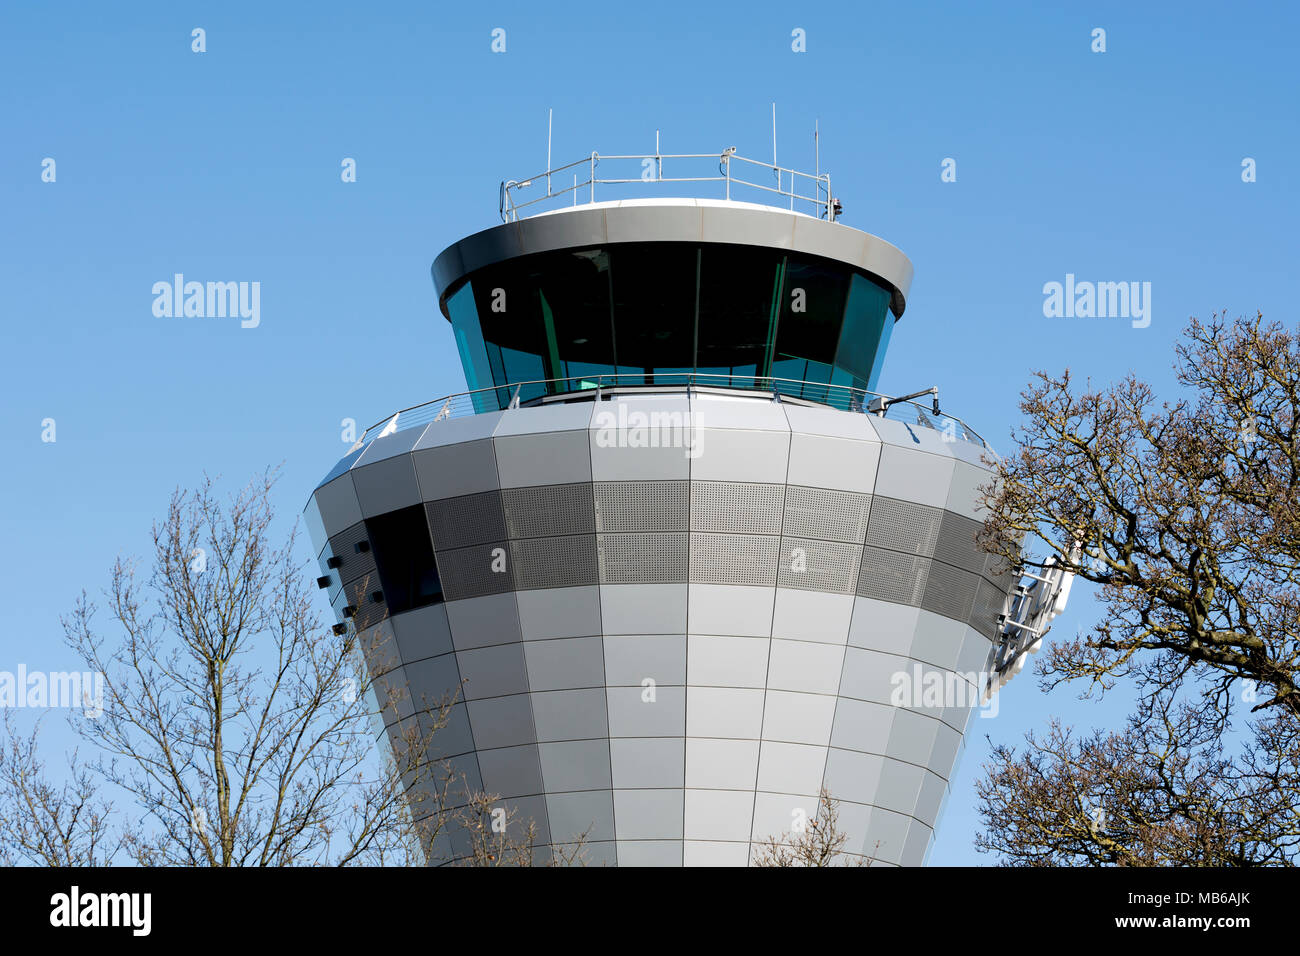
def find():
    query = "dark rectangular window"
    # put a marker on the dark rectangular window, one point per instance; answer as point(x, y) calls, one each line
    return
point(403, 552)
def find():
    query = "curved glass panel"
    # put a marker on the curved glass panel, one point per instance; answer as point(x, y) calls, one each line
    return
point(653, 312)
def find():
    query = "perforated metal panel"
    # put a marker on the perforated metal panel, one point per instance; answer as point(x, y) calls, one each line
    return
point(358, 594)
point(813, 565)
point(642, 505)
point(956, 544)
point(465, 520)
point(903, 526)
point(557, 562)
point(988, 605)
point(891, 576)
point(637, 558)
point(736, 507)
point(545, 510)
point(949, 591)
point(996, 571)
point(354, 565)
point(468, 572)
point(734, 559)
point(826, 514)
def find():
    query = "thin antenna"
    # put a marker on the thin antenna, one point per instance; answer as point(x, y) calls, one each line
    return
point(774, 168)
point(817, 151)
point(550, 113)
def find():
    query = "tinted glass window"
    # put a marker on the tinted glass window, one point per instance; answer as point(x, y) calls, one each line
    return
point(738, 286)
point(654, 312)
point(403, 552)
point(654, 308)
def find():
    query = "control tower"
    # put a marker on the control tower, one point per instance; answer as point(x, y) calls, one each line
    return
point(683, 565)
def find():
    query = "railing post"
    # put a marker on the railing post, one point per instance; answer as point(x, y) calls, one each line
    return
point(593, 175)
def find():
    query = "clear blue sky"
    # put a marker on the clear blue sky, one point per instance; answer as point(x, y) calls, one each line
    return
point(1122, 166)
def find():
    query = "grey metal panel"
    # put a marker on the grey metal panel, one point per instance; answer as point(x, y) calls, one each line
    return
point(821, 462)
point(798, 718)
point(469, 572)
point(904, 526)
point(544, 510)
point(632, 658)
point(634, 713)
point(737, 610)
point(387, 446)
point(736, 507)
point(570, 714)
point(913, 475)
point(641, 438)
point(891, 576)
point(338, 505)
point(643, 608)
point(422, 632)
point(649, 853)
point(949, 591)
point(709, 221)
point(998, 571)
point(916, 844)
point(804, 666)
point(565, 561)
point(466, 519)
point(559, 612)
point(718, 815)
point(719, 764)
point(452, 431)
point(511, 771)
point(642, 505)
point(956, 544)
point(546, 419)
point(576, 765)
point(852, 775)
point(812, 616)
point(653, 558)
point(734, 559)
point(826, 514)
point(315, 526)
point(791, 768)
point(862, 725)
point(647, 762)
point(550, 458)
point(964, 496)
point(648, 814)
point(988, 605)
point(737, 454)
point(354, 565)
point(386, 485)
point(819, 565)
point(448, 471)
point(735, 712)
point(588, 816)
point(938, 640)
point(480, 621)
point(720, 661)
point(566, 663)
point(493, 671)
point(883, 625)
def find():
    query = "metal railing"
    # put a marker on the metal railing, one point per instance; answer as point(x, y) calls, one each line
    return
point(595, 388)
point(788, 182)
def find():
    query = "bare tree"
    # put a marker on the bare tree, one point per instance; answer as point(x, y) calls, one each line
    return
point(53, 825)
point(820, 842)
point(240, 728)
point(1186, 516)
